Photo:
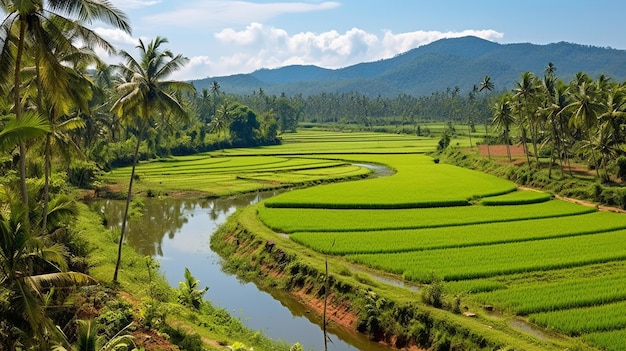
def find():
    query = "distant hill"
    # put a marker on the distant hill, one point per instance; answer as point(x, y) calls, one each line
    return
point(442, 64)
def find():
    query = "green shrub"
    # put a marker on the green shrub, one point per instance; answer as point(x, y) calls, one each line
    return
point(621, 167)
point(82, 173)
point(433, 293)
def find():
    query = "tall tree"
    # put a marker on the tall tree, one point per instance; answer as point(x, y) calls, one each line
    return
point(503, 120)
point(144, 94)
point(486, 84)
point(525, 91)
point(585, 108)
point(215, 93)
point(42, 24)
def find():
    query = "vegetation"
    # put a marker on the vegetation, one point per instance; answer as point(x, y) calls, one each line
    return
point(468, 239)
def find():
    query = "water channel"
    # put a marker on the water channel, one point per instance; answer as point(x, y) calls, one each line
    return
point(176, 232)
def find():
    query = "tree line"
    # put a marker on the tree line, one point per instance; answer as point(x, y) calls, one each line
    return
point(583, 120)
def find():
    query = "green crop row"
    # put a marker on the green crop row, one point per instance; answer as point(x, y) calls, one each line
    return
point(562, 294)
point(491, 260)
point(415, 184)
point(519, 197)
point(577, 321)
point(290, 220)
point(609, 341)
point(387, 241)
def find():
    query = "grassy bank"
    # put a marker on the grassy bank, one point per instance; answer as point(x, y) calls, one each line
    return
point(155, 305)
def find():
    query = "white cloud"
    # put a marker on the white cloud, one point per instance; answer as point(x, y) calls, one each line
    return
point(201, 14)
point(133, 4)
point(260, 46)
point(116, 36)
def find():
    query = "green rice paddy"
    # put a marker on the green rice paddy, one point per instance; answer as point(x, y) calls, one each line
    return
point(559, 264)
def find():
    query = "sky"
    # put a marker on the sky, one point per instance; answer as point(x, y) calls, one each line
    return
point(221, 37)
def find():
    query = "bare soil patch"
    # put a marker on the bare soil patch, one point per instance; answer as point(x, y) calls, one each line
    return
point(500, 150)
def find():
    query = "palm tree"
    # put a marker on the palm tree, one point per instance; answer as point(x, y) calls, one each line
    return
point(215, 92)
point(525, 91)
point(585, 109)
point(61, 107)
point(41, 24)
point(30, 267)
point(503, 119)
point(486, 84)
point(143, 95)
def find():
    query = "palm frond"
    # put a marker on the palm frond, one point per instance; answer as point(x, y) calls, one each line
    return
point(59, 280)
point(29, 127)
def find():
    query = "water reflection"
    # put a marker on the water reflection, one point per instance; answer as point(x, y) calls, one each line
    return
point(177, 233)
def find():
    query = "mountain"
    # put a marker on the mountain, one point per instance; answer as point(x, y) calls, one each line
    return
point(442, 64)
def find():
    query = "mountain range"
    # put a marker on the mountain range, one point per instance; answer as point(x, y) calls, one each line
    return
point(446, 63)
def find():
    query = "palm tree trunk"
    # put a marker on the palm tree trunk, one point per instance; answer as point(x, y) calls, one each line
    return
point(46, 187)
point(469, 131)
point(487, 141)
point(507, 140)
point(524, 146)
point(533, 136)
point(18, 115)
point(128, 198)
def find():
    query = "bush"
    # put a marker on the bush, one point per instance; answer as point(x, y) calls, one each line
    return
point(82, 173)
point(621, 165)
point(433, 294)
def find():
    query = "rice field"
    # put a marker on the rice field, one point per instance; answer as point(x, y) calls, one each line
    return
point(419, 182)
point(560, 265)
point(489, 242)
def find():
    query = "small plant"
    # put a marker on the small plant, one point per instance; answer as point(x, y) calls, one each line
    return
point(238, 346)
point(433, 294)
point(188, 293)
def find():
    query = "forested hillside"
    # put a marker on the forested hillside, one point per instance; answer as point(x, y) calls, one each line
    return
point(447, 63)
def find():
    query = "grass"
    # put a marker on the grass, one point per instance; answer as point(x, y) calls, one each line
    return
point(485, 261)
point(390, 241)
point(419, 182)
point(519, 197)
point(290, 220)
point(221, 176)
point(586, 320)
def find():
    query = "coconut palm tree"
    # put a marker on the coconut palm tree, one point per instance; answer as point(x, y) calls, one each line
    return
point(215, 92)
point(525, 91)
point(503, 120)
point(585, 108)
point(144, 94)
point(41, 24)
point(486, 84)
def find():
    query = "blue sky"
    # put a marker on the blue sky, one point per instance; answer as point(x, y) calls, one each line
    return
point(228, 37)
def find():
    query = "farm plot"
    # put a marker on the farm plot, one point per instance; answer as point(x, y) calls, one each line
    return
point(419, 182)
point(585, 320)
point(290, 220)
point(228, 175)
point(485, 261)
point(562, 294)
point(517, 198)
point(314, 142)
point(390, 241)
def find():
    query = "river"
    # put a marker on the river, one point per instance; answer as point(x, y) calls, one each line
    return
point(177, 232)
